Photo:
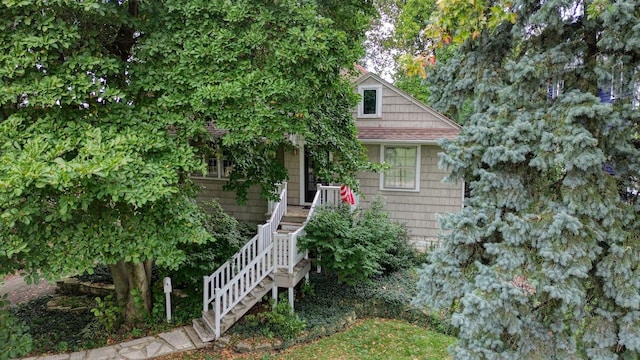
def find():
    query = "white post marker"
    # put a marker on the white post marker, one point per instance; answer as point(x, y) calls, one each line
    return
point(167, 291)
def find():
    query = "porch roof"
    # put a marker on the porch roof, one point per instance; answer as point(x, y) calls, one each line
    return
point(215, 132)
point(408, 135)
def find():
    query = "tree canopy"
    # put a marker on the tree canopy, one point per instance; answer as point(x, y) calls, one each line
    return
point(395, 40)
point(103, 111)
point(542, 262)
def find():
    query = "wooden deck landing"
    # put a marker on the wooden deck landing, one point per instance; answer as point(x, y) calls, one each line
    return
point(286, 280)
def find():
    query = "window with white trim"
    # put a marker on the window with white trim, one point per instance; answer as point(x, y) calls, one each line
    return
point(220, 166)
point(370, 101)
point(403, 172)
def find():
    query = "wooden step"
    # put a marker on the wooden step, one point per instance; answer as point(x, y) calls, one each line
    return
point(284, 279)
point(289, 226)
point(203, 330)
point(294, 218)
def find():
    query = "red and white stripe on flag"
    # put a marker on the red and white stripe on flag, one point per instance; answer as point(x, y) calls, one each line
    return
point(346, 195)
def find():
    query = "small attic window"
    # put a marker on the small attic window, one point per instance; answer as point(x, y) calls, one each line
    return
point(370, 101)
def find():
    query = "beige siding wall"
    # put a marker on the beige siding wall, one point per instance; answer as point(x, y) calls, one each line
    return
point(292, 164)
point(398, 111)
point(416, 209)
point(254, 210)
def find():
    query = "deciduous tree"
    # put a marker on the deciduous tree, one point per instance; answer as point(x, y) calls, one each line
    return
point(104, 105)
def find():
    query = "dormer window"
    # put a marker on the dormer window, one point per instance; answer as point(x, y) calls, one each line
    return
point(370, 105)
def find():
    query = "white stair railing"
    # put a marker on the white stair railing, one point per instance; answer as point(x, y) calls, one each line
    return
point(330, 194)
point(232, 281)
point(243, 283)
point(286, 252)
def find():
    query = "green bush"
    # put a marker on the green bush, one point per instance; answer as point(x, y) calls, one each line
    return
point(202, 259)
point(358, 245)
point(107, 312)
point(281, 322)
point(14, 337)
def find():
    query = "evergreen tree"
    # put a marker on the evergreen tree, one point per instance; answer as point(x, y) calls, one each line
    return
point(543, 262)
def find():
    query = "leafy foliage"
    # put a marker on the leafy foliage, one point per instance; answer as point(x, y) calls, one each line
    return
point(357, 245)
point(107, 312)
point(413, 85)
point(99, 274)
point(542, 260)
point(397, 31)
point(203, 259)
point(14, 336)
point(263, 70)
point(281, 322)
point(103, 111)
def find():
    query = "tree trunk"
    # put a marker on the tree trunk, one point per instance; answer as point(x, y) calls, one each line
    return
point(132, 283)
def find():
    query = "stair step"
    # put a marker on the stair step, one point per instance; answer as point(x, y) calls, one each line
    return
point(238, 308)
point(209, 319)
point(194, 337)
point(298, 218)
point(302, 263)
point(290, 226)
point(202, 329)
point(253, 297)
point(226, 324)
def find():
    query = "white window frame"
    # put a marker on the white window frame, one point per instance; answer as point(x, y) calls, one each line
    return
point(221, 172)
point(418, 148)
point(223, 168)
point(378, 89)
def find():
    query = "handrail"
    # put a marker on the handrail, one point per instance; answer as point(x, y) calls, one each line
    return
point(246, 280)
point(231, 270)
point(330, 194)
point(227, 271)
point(286, 254)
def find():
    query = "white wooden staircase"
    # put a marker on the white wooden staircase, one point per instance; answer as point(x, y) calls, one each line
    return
point(268, 261)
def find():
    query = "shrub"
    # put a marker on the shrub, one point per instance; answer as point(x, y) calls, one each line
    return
point(107, 312)
point(15, 339)
point(202, 259)
point(357, 245)
point(281, 322)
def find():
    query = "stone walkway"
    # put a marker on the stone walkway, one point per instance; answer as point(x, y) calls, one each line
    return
point(180, 339)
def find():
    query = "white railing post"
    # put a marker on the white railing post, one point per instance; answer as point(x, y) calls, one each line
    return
point(293, 253)
point(283, 199)
point(205, 294)
point(217, 313)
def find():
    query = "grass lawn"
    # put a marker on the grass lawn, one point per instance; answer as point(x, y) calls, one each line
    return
point(376, 339)
point(368, 339)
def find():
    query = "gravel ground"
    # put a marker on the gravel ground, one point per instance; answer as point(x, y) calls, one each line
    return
point(19, 292)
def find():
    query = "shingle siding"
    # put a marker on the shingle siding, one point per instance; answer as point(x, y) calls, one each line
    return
point(398, 111)
point(415, 209)
point(254, 210)
point(292, 163)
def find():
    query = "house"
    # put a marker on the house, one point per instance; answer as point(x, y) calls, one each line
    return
point(396, 129)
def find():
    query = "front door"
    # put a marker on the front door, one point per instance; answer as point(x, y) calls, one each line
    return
point(308, 178)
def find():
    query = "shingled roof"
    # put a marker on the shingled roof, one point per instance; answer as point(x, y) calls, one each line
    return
point(413, 135)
